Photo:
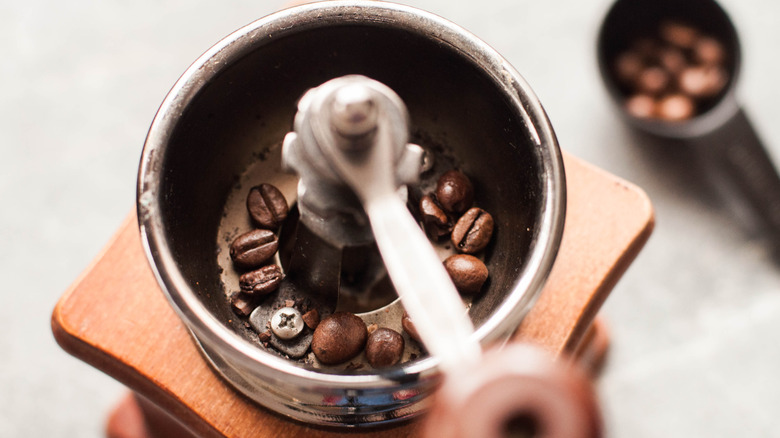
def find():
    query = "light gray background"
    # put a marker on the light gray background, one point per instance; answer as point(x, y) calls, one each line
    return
point(693, 321)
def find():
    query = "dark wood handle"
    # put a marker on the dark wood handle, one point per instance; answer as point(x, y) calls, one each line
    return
point(518, 391)
point(736, 158)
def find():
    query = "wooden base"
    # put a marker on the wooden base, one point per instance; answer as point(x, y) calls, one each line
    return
point(591, 354)
point(115, 317)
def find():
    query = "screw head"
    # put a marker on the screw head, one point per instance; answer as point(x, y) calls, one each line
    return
point(287, 323)
point(428, 160)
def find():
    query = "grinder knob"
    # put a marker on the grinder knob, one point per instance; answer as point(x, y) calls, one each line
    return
point(518, 391)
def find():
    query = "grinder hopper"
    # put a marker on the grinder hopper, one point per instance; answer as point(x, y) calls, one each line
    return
point(220, 130)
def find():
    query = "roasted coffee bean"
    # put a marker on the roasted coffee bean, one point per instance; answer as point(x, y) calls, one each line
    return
point(384, 348)
point(338, 338)
point(675, 108)
point(641, 106)
point(267, 206)
point(678, 34)
point(264, 336)
point(261, 281)
point(409, 328)
point(473, 230)
point(435, 220)
point(672, 60)
point(628, 66)
point(253, 249)
point(454, 191)
point(702, 81)
point(311, 318)
point(709, 51)
point(468, 273)
point(242, 304)
point(652, 80)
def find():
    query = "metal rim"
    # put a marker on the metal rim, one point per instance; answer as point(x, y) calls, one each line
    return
point(232, 348)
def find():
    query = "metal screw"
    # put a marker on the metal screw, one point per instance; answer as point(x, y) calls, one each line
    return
point(287, 323)
point(354, 110)
point(427, 161)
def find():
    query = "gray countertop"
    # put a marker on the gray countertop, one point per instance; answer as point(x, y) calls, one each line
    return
point(692, 320)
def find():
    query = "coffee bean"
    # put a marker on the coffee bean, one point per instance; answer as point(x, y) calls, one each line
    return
point(473, 230)
point(709, 51)
point(641, 106)
point(702, 81)
point(384, 348)
point(672, 60)
point(652, 80)
point(678, 34)
point(435, 220)
point(264, 336)
point(628, 66)
point(261, 281)
point(253, 249)
point(267, 206)
point(338, 338)
point(675, 108)
point(454, 191)
point(242, 304)
point(409, 328)
point(468, 273)
point(311, 318)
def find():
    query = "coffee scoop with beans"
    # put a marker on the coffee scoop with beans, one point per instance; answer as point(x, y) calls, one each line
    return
point(672, 74)
point(672, 67)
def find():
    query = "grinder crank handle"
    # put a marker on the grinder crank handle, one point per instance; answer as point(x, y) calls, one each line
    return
point(423, 284)
point(352, 131)
point(365, 130)
point(359, 126)
point(515, 391)
point(518, 391)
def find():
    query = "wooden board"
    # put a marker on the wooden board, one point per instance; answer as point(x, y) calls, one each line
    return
point(116, 318)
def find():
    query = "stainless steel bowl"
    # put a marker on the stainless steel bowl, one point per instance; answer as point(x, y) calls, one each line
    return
point(225, 119)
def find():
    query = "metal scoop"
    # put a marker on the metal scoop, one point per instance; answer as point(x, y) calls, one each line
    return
point(359, 127)
point(721, 137)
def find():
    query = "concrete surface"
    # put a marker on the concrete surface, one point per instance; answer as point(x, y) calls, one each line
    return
point(694, 319)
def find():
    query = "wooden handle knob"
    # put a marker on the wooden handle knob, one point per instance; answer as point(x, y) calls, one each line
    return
point(516, 392)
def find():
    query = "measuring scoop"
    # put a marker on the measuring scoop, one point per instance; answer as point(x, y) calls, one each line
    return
point(719, 131)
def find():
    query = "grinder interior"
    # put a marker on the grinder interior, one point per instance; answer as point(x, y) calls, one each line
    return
point(236, 122)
